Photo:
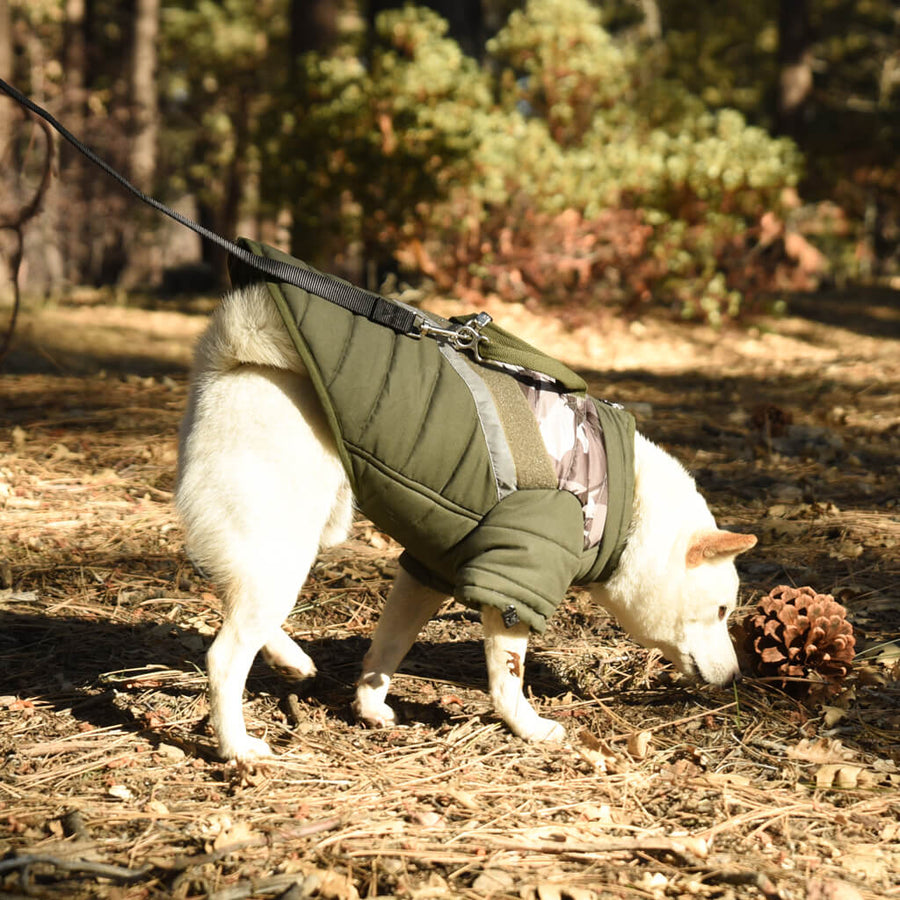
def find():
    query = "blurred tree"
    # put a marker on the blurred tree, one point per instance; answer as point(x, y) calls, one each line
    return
point(563, 168)
point(724, 53)
point(75, 58)
point(143, 264)
point(145, 106)
point(795, 75)
point(372, 149)
point(224, 62)
point(8, 117)
point(7, 110)
point(826, 72)
point(73, 169)
point(372, 137)
point(313, 26)
point(464, 18)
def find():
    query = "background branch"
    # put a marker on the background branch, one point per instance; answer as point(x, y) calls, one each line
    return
point(15, 222)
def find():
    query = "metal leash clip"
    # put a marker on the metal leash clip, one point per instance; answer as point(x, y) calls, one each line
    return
point(467, 337)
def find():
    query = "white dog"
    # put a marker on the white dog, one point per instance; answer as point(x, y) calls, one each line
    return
point(261, 489)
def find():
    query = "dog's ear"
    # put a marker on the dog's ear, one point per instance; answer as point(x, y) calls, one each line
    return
point(708, 545)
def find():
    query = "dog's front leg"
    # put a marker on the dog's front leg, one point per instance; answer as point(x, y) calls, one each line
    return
point(505, 651)
point(408, 607)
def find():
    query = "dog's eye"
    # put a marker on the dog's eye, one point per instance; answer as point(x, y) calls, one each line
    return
point(723, 611)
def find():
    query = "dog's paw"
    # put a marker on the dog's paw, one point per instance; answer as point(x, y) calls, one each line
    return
point(286, 658)
point(546, 730)
point(295, 673)
point(373, 714)
point(248, 749)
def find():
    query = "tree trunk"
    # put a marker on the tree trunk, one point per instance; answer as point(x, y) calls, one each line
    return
point(7, 124)
point(795, 75)
point(7, 108)
point(144, 94)
point(313, 26)
point(143, 265)
point(651, 29)
point(75, 57)
point(68, 200)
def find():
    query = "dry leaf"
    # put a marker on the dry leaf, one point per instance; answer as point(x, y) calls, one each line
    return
point(492, 881)
point(593, 813)
point(549, 891)
point(823, 750)
point(829, 889)
point(843, 776)
point(867, 861)
point(234, 833)
point(888, 653)
point(464, 798)
point(639, 744)
point(171, 752)
point(846, 550)
point(597, 753)
point(654, 881)
point(579, 893)
point(335, 886)
point(698, 846)
point(427, 818)
point(720, 779)
point(870, 675)
point(120, 792)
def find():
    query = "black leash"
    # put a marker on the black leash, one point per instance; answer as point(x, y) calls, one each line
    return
point(392, 314)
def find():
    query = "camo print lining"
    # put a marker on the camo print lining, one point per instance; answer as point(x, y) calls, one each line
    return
point(571, 431)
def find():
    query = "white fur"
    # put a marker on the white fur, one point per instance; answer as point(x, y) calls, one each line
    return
point(653, 595)
point(261, 490)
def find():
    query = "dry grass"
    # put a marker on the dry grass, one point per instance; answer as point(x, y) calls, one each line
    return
point(108, 785)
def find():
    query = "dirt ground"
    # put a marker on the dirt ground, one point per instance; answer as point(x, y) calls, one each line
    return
point(108, 784)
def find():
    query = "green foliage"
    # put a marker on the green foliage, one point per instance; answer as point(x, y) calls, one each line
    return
point(725, 53)
point(562, 169)
point(372, 146)
point(572, 68)
point(850, 127)
point(214, 56)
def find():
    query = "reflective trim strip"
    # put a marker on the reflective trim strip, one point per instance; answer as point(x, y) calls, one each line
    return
point(502, 462)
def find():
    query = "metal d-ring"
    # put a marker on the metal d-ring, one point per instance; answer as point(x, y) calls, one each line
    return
point(465, 338)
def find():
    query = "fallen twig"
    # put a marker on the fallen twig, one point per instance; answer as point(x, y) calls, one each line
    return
point(101, 870)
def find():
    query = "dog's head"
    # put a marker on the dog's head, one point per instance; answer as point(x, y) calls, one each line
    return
point(697, 640)
point(676, 584)
point(685, 614)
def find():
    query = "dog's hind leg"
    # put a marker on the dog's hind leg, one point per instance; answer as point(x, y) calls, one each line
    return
point(408, 607)
point(255, 607)
point(280, 651)
point(505, 652)
point(257, 486)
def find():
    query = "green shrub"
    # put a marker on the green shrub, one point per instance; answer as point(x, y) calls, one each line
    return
point(561, 171)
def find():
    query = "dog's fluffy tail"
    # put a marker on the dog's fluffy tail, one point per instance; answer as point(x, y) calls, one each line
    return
point(246, 329)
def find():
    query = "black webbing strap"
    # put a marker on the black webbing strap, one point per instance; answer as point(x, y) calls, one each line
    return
point(396, 316)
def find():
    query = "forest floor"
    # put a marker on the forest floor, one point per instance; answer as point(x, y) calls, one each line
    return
point(108, 784)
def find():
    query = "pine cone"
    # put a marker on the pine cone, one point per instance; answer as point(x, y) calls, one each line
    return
point(797, 633)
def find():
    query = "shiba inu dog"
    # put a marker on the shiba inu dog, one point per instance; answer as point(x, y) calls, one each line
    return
point(262, 487)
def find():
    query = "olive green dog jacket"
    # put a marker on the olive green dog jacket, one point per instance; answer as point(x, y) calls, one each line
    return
point(445, 455)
